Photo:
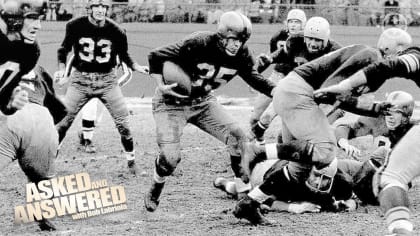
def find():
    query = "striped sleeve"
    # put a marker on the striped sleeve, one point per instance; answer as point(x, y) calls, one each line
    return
point(411, 62)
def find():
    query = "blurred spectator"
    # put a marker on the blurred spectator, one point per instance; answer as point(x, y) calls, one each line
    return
point(374, 7)
point(254, 12)
point(159, 11)
point(214, 16)
point(391, 6)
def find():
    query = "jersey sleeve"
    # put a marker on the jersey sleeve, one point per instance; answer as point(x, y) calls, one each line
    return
point(251, 76)
point(405, 65)
point(123, 50)
point(67, 43)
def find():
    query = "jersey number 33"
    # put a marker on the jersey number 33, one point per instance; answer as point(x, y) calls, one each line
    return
point(95, 51)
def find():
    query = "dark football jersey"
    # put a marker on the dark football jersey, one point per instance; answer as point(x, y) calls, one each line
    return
point(337, 65)
point(95, 48)
point(203, 58)
point(295, 52)
point(406, 65)
point(277, 42)
point(17, 58)
point(39, 85)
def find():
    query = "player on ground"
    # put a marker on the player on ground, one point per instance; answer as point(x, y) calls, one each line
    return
point(302, 119)
point(403, 164)
point(393, 125)
point(295, 23)
point(97, 41)
point(209, 59)
point(299, 49)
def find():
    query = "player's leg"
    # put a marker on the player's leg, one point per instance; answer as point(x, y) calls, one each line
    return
point(293, 101)
point(89, 115)
point(263, 113)
point(114, 101)
point(213, 118)
point(170, 121)
point(276, 185)
point(76, 97)
point(402, 166)
point(34, 141)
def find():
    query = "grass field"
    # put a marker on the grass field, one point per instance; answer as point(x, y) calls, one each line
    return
point(189, 204)
point(144, 37)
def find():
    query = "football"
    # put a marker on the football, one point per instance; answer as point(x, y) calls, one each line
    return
point(173, 73)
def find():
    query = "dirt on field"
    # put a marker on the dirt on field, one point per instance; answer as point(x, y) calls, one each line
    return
point(190, 205)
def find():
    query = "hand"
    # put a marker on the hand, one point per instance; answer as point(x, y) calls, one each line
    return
point(264, 60)
point(341, 88)
point(350, 150)
point(383, 108)
point(19, 98)
point(345, 205)
point(142, 69)
point(60, 78)
point(168, 90)
point(299, 208)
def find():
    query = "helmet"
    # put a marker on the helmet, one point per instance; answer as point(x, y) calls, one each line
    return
point(106, 3)
point(401, 101)
point(394, 40)
point(394, 20)
point(297, 14)
point(363, 180)
point(321, 180)
point(15, 11)
point(233, 24)
point(317, 27)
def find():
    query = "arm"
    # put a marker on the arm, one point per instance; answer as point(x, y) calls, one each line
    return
point(66, 47)
point(251, 76)
point(294, 207)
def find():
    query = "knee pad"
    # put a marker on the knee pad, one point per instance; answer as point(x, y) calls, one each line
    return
point(323, 154)
point(167, 162)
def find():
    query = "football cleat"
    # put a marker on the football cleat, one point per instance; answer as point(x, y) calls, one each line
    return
point(132, 168)
point(249, 209)
point(82, 139)
point(89, 147)
point(151, 199)
point(46, 225)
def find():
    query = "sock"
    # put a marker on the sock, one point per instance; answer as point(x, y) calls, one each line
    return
point(130, 156)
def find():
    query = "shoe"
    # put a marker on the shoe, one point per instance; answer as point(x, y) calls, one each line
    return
point(81, 138)
point(46, 225)
point(258, 131)
point(132, 168)
point(151, 199)
point(249, 209)
point(89, 147)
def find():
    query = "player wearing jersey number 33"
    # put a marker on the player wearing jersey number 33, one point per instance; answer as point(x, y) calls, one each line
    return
point(96, 42)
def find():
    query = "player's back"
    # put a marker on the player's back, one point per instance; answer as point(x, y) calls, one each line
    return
point(317, 71)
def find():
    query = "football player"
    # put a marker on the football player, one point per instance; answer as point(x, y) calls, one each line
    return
point(302, 118)
point(20, 132)
point(92, 112)
point(295, 23)
point(96, 42)
point(403, 164)
point(299, 49)
point(20, 51)
point(391, 126)
point(209, 59)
